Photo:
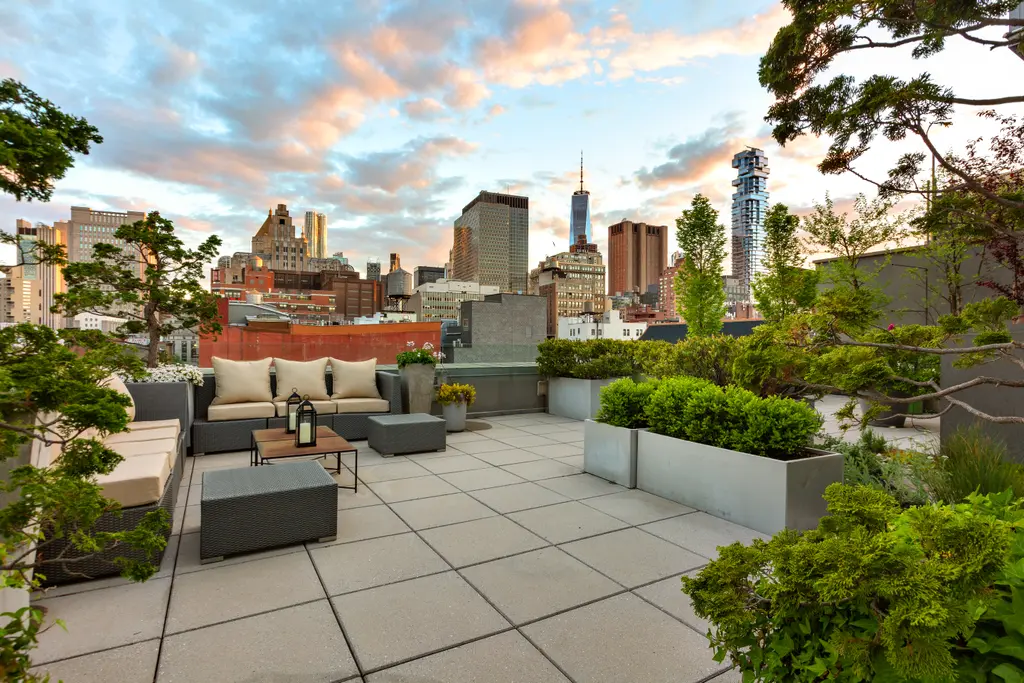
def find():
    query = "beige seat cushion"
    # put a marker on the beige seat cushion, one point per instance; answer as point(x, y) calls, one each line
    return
point(240, 411)
point(134, 449)
point(354, 380)
point(142, 435)
point(135, 481)
point(114, 382)
point(306, 377)
point(241, 381)
point(154, 424)
point(362, 405)
point(321, 407)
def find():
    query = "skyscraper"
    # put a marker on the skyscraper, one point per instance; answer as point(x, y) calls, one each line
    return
point(373, 269)
point(276, 242)
point(491, 241)
point(637, 254)
point(44, 279)
point(315, 231)
point(88, 227)
point(579, 217)
point(749, 208)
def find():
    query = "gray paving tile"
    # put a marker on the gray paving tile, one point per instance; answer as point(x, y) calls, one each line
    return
point(526, 441)
point(207, 597)
point(536, 584)
point(508, 457)
point(668, 595)
point(166, 569)
point(455, 463)
point(507, 499)
point(576, 461)
point(218, 461)
point(359, 524)
point(188, 555)
point(503, 432)
point(637, 507)
point(483, 446)
point(129, 664)
point(465, 437)
point(702, 533)
point(633, 557)
point(541, 469)
point(730, 676)
point(391, 471)
point(474, 480)
point(129, 614)
point(567, 437)
point(543, 428)
point(623, 639)
point(192, 519)
point(566, 521)
point(300, 644)
point(410, 489)
point(364, 497)
point(371, 459)
point(397, 622)
point(481, 540)
point(556, 450)
point(378, 561)
point(579, 486)
point(504, 658)
point(430, 512)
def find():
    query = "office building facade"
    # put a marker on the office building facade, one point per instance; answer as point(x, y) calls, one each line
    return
point(637, 255)
point(422, 275)
point(442, 299)
point(277, 243)
point(373, 269)
point(88, 228)
point(44, 279)
point(491, 242)
point(749, 208)
point(572, 282)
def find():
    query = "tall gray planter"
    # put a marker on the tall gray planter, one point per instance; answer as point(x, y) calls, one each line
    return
point(163, 401)
point(578, 399)
point(417, 387)
point(610, 452)
point(760, 493)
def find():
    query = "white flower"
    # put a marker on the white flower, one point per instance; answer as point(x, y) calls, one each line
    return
point(410, 344)
point(170, 373)
point(428, 346)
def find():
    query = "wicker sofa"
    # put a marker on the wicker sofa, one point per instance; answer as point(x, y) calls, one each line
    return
point(220, 435)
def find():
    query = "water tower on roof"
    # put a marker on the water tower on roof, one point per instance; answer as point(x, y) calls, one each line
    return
point(398, 285)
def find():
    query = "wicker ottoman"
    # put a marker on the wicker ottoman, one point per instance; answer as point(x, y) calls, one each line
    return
point(255, 508)
point(397, 434)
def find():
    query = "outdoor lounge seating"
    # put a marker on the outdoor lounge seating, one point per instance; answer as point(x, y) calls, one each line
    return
point(226, 416)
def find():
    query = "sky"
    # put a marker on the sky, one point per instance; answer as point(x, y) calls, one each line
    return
point(390, 116)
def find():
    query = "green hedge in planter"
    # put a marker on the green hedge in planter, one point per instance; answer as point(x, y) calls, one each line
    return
point(591, 359)
point(733, 418)
point(624, 403)
point(875, 593)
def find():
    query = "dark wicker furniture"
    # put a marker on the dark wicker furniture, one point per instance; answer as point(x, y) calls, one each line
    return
point(397, 434)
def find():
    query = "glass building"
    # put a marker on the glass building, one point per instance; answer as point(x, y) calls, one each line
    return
point(749, 208)
point(579, 217)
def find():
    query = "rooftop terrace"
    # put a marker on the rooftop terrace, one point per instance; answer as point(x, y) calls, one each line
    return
point(497, 560)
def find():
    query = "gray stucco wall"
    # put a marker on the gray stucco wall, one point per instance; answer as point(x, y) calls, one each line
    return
point(502, 327)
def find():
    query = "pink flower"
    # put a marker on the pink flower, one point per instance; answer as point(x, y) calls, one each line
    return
point(428, 346)
point(891, 327)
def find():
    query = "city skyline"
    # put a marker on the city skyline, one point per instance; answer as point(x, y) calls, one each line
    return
point(385, 126)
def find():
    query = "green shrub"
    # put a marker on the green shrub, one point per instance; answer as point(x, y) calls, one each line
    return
point(591, 359)
point(709, 358)
point(972, 461)
point(870, 461)
point(875, 593)
point(624, 403)
point(733, 418)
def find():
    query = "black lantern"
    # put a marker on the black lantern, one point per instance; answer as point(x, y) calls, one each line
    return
point(305, 424)
point(292, 406)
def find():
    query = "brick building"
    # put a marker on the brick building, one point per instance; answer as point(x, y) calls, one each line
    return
point(637, 255)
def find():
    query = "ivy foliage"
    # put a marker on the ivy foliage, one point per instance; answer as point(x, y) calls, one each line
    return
point(875, 593)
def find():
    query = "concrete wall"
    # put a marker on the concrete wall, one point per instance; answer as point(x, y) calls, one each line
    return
point(500, 388)
point(990, 399)
point(501, 328)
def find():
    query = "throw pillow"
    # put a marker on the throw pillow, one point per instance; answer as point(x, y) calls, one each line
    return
point(241, 381)
point(355, 380)
point(117, 384)
point(306, 377)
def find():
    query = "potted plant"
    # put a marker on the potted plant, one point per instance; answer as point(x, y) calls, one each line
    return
point(576, 372)
point(416, 369)
point(609, 441)
point(454, 399)
point(735, 455)
point(166, 390)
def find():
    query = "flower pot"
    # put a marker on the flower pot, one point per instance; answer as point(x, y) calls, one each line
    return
point(417, 387)
point(454, 416)
point(579, 399)
point(610, 452)
point(891, 415)
point(760, 493)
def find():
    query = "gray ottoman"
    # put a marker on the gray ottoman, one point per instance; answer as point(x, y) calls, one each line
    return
point(255, 508)
point(397, 434)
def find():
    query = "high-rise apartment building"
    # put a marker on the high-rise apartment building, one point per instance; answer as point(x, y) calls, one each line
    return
point(637, 254)
point(45, 279)
point(442, 299)
point(572, 282)
point(315, 231)
point(421, 275)
point(373, 269)
point(749, 208)
point(579, 216)
point(491, 241)
point(276, 242)
point(667, 286)
point(87, 228)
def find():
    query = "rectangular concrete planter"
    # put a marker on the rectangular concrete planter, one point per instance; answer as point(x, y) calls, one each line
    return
point(760, 493)
point(578, 399)
point(610, 452)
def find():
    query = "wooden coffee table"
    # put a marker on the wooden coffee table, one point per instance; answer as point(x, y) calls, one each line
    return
point(270, 445)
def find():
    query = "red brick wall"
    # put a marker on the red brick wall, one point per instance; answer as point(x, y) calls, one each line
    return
point(308, 342)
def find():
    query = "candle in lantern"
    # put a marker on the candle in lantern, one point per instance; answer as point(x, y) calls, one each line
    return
point(291, 420)
point(304, 433)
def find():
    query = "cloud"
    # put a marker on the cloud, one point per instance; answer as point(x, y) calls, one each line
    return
point(424, 109)
point(412, 166)
point(692, 160)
